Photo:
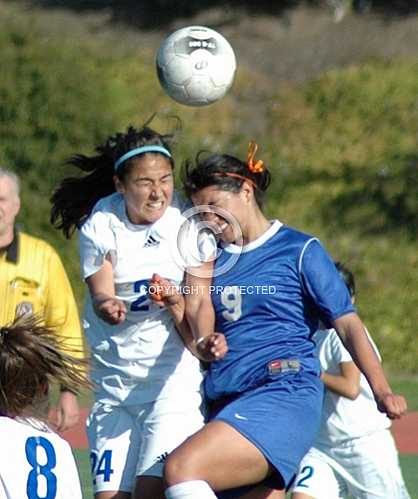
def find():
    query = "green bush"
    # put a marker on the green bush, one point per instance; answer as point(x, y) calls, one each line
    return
point(346, 168)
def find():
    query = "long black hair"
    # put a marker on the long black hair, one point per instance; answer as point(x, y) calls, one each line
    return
point(75, 197)
point(225, 171)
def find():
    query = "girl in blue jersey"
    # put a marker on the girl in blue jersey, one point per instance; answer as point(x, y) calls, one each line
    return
point(265, 392)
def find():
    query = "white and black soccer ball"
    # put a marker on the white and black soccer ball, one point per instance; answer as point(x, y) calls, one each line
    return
point(196, 65)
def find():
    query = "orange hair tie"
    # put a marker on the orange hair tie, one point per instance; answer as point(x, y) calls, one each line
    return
point(236, 175)
point(254, 166)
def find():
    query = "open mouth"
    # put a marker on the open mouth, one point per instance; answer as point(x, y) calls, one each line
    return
point(156, 206)
point(221, 229)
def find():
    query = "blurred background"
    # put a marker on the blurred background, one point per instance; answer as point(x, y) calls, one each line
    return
point(329, 90)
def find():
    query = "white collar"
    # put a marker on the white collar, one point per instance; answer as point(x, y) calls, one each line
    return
point(270, 232)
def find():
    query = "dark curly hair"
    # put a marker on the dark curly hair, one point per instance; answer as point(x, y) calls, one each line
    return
point(75, 197)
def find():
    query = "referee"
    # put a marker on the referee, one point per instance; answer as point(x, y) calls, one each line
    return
point(33, 280)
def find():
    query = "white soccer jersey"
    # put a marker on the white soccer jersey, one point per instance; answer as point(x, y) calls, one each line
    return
point(141, 359)
point(344, 419)
point(35, 462)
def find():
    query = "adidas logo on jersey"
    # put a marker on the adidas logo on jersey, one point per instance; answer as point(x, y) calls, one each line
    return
point(151, 242)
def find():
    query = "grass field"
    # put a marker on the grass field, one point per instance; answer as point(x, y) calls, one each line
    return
point(409, 464)
point(82, 458)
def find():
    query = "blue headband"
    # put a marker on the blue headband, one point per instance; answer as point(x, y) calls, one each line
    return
point(140, 150)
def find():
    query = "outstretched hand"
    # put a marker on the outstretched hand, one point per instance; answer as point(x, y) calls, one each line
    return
point(393, 405)
point(212, 347)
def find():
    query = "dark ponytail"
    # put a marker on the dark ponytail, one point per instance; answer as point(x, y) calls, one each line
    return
point(74, 199)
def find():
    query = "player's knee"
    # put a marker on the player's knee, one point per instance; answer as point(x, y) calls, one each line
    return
point(173, 470)
point(178, 468)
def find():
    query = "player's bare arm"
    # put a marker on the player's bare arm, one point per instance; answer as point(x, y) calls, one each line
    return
point(102, 291)
point(67, 411)
point(164, 293)
point(347, 383)
point(352, 332)
point(209, 345)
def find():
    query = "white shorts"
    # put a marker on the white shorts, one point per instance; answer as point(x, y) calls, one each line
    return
point(128, 441)
point(365, 468)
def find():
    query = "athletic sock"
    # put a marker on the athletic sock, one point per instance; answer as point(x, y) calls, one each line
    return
point(194, 489)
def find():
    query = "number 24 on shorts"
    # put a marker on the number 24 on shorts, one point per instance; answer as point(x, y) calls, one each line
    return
point(102, 466)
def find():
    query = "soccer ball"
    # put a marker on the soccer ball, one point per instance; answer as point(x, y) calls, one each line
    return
point(196, 65)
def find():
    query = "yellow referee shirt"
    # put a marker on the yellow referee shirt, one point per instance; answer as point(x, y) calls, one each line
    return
point(33, 279)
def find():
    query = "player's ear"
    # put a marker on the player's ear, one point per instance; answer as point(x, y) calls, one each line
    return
point(118, 184)
point(16, 206)
point(247, 192)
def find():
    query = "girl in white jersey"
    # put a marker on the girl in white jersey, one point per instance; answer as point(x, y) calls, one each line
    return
point(34, 461)
point(354, 454)
point(148, 396)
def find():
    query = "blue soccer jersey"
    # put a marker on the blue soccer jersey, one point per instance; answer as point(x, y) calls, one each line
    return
point(269, 305)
